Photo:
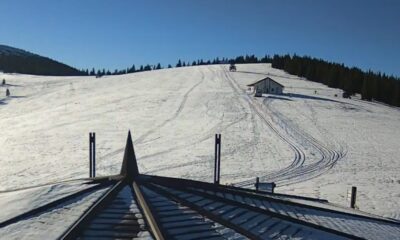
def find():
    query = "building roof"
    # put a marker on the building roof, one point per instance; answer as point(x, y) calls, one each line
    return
point(267, 78)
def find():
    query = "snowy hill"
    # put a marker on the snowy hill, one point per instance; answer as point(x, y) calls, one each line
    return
point(7, 50)
point(310, 143)
point(14, 60)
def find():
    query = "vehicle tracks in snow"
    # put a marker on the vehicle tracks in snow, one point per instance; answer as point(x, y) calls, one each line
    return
point(301, 168)
point(144, 136)
point(328, 157)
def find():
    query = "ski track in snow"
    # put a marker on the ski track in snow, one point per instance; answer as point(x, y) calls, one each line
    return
point(203, 137)
point(299, 170)
point(328, 157)
point(149, 132)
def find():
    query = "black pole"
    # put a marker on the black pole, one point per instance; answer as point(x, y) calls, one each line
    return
point(90, 155)
point(215, 160)
point(94, 155)
point(353, 197)
point(257, 182)
point(219, 158)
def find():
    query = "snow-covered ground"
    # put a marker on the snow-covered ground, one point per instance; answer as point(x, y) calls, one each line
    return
point(51, 222)
point(312, 144)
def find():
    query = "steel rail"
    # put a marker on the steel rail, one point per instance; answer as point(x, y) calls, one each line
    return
point(201, 211)
point(73, 231)
point(262, 211)
point(148, 213)
point(192, 183)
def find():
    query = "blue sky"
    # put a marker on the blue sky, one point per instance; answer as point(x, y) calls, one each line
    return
point(118, 33)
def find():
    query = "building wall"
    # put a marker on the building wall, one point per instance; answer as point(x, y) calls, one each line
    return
point(268, 86)
point(275, 88)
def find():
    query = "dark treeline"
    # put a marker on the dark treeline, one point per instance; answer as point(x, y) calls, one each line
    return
point(180, 63)
point(238, 60)
point(370, 85)
point(35, 65)
point(133, 69)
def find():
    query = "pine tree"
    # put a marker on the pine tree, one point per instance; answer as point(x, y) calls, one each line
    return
point(147, 68)
point(365, 91)
point(333, 77)
point(396, 94)
point(92, 72)
point(179, 64)
point(132, 69)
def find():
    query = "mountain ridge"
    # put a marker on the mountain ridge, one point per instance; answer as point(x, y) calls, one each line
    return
point(16, 60)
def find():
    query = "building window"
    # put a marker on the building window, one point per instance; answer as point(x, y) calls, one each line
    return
point(272, 89)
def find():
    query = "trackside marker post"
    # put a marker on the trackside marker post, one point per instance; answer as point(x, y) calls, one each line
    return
point(217, 162)
point(92, 155)
point(257, 183)
point(353, 197)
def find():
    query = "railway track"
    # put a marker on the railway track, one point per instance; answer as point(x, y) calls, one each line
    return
point(167, 208)
point(268, 216)
point(137, 206)
point(114, 216)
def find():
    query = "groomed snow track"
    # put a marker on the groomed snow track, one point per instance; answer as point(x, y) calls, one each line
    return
point(137, 206)
point(302, 167)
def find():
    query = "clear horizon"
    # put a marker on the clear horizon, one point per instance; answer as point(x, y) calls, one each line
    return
point(116, 34)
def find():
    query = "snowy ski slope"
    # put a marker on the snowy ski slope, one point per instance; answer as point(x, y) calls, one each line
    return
point(309, 143)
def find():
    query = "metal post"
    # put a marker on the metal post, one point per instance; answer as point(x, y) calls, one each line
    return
point(219, 158)
point(257, 181)
point(353, 197)
point(217, 162)
point(92, 154)
point(215, 159)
